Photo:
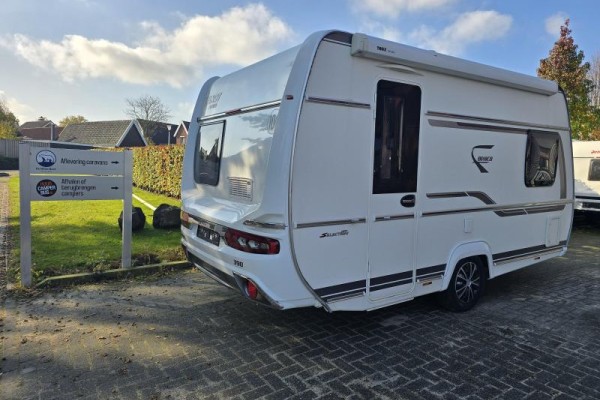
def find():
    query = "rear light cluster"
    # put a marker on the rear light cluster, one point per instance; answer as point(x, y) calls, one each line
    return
point(239, 240)
point(251, 243)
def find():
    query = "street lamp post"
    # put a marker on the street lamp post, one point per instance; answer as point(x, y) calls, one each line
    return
point(168, 134)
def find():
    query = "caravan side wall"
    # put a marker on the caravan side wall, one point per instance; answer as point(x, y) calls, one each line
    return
point(373, 224)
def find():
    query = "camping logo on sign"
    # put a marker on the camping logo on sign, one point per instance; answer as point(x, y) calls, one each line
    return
point(46, 188)
point(45, 158)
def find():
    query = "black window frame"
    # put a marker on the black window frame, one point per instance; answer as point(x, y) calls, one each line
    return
point(209, 179)
point(541, 163)
point(400, 173)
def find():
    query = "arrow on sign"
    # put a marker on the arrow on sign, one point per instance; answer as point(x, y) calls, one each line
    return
point(114, 162)
point(114, 187)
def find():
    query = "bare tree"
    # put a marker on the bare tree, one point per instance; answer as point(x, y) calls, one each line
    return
point(594, 76)
point(147, 107)
point(150, 111)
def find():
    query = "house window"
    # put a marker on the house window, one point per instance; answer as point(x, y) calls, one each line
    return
point(207, 162)
point(396, 146)
point(541, 158)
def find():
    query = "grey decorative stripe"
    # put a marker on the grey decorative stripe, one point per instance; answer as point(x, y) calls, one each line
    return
point(494, 121)
point(331, 223)
point(479, 127)
point(478, 195)
point(266, 225)
point(334, 102)
point(500, 210)
point(394, 217)
point(243, 110)
point(500, 258)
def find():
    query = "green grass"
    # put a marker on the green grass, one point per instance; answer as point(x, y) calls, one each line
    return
point(84, 236)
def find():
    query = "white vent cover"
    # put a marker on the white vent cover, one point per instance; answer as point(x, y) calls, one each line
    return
point(240, 188)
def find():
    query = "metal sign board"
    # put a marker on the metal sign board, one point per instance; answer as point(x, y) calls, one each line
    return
point(67, 161)
point(70, 187)
point(48, 174)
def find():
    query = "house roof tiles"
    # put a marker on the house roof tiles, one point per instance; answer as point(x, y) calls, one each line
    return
point(98, 133)
point(36, 124)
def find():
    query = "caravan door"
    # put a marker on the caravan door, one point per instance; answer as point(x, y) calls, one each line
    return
point(392, 205)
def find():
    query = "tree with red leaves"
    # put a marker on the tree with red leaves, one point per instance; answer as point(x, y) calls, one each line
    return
point(565, 65)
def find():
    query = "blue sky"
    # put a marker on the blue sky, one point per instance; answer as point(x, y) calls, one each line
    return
point(69, 57)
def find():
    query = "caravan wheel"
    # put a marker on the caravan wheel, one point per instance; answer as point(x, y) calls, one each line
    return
point(466, 285)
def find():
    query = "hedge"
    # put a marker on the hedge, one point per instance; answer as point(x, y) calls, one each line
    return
point(9, 163)
point(158, 169)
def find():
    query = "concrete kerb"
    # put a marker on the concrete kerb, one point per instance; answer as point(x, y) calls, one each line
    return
point(90, 277)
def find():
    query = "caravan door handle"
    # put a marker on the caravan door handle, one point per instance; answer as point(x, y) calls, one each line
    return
point(408, 200)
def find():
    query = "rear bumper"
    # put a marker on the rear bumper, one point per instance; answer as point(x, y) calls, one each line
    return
point(231, 280)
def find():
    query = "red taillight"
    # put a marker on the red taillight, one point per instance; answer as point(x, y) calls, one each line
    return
point(251, 243)
point(251, 290)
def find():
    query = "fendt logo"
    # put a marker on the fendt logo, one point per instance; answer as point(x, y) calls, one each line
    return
point(479, 158)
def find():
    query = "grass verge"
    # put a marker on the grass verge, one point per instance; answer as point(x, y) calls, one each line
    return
point(83, 236)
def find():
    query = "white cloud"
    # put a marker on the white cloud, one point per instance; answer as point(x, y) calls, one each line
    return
point(469, 28)
point(183, 111)
point(393, 8)
point(239, 36)
point(554, 22)
point(22, 111)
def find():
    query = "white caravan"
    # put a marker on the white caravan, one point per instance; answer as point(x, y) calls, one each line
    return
point(352, 173)
point(586, 164)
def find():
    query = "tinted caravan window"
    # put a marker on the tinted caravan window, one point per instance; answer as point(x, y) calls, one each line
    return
point(208, 155)
point(396, 138)
point(594, 174)
point(541, 158)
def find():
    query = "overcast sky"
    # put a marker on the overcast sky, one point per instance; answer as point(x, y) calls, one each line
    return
point(85, 57)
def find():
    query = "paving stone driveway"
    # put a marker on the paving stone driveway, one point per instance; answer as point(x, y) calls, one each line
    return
point(536, 334)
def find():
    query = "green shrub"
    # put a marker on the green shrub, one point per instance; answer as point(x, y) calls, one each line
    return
point(158, 169)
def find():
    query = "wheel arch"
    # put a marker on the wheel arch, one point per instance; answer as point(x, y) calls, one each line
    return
point(465, 250)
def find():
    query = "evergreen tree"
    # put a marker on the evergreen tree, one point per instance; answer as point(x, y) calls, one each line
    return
point(565, 65)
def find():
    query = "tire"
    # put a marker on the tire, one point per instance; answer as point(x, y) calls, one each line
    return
point(466, 285)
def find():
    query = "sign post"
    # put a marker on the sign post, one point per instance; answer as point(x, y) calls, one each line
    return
point(55, 174)
point(25, 216)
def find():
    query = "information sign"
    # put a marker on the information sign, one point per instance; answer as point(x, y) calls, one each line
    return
point(68, 187)
point(68, 161)
point(53, 174)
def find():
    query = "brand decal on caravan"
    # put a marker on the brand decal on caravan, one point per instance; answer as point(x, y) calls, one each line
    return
point(482, 159)
point(333, 234)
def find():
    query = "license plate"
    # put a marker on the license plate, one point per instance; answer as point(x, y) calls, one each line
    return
point(209, 235)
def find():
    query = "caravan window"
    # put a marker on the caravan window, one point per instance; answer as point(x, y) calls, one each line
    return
point(541, 158)
point(594, 174)
point(396, 138)
point(208, 159)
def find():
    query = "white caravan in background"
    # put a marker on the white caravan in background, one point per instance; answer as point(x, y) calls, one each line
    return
point(352, 173)
point(586, 164)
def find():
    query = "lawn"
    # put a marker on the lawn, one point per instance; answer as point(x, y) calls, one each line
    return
point(84, 236)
